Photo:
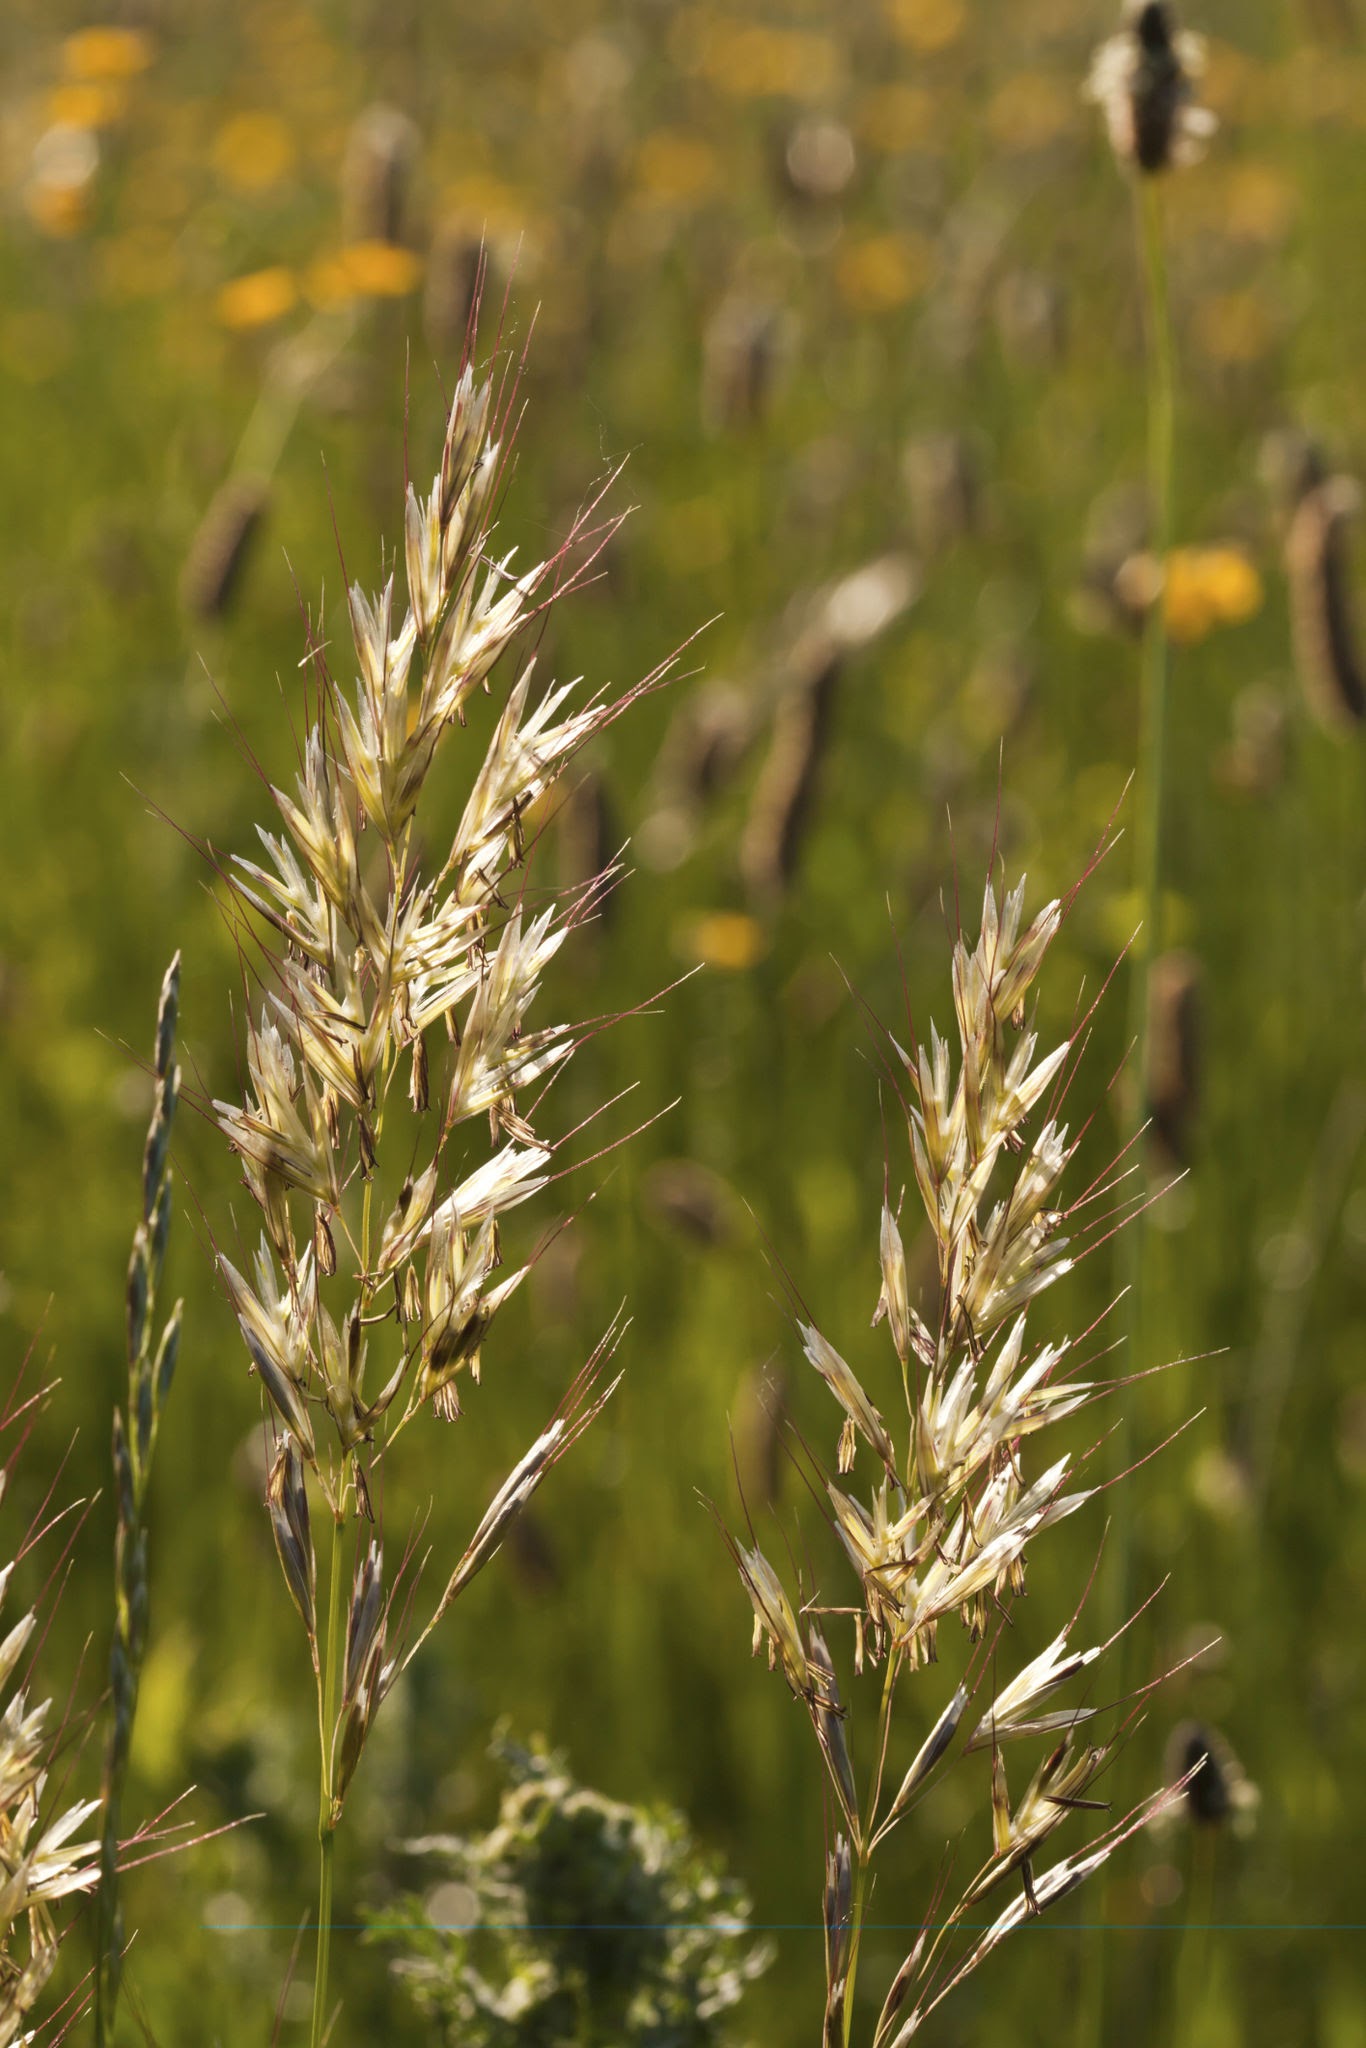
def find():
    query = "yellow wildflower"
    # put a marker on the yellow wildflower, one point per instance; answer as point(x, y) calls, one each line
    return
point(93, 103)
point(252, 152)
point(1233, 327)
point(928, 24)
point(106, 53)
point(1208, 587)
point(258, 298)
point(487, 204)
point(673, 169)
point(882, 272)
point(750, 61)
point(723, 938)
point(363, 270)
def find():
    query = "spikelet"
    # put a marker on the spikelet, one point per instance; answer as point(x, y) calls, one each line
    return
point(587, 840)
point(40, 1862)
point(845, 618)
point(1316, 562)
point(781, 805)
point(377, 176)
point(454, 273)
point(691, 1203)
point(1173, 1076)
point(222, 543)
point(1217, 1790)
point(704, 746)
point(943, 486)
point(744, 349)
point(1254, 761)
point(758, 1418)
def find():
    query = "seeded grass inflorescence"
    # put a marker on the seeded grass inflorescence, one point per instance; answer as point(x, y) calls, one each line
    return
point(44, 1858)
point(394, 1030)
point(944, 1529)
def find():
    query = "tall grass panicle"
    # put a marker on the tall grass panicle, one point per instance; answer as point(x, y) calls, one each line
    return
point(151, 1368)
point(43, 1859)
point(941, 1530)
point(393, 1032)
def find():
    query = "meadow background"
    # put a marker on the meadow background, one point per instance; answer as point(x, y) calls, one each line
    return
point(836, 284)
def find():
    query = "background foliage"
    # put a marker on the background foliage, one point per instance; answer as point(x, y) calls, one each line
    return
point(837, 282)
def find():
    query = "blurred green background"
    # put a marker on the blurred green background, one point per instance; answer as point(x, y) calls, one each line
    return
point(837, 284)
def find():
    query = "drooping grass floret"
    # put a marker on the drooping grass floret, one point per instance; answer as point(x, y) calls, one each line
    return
point(43, 1857)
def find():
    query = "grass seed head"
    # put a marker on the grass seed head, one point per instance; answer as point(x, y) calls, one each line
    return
point(1144, 81)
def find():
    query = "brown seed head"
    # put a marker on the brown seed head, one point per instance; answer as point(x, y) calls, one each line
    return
point(218, 553)
point(1326, 652)
point(1173, 1076)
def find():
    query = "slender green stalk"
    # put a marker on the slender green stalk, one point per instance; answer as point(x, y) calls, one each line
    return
point(856, 1913)
point(327, 1711)
point(1148, 875)
point(863, 1848)
point(1192, 1963)
point(1149, 796)
point(1153, 702)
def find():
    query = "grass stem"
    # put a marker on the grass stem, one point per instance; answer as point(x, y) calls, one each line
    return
point(327, 1708)
point(1148, 877)
point(1149, 808)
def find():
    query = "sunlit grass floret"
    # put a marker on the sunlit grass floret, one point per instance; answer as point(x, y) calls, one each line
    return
point(943, 1528)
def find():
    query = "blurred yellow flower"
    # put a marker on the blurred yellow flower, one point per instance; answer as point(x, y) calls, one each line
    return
point(487, 205)
point(882, 272)
point(252, 152)
point(1032, 109)
point(59, 210)
point(91, 104)
point(674, 169)
point(258, 298)
point(1233, 327)
point(327, 282)
point(1260, 203)
point(1208, 587)
point(928, 24)
point(363, 270)
point(897, 117)
point(750, 61)
point(106, 53)
point(722, 938)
